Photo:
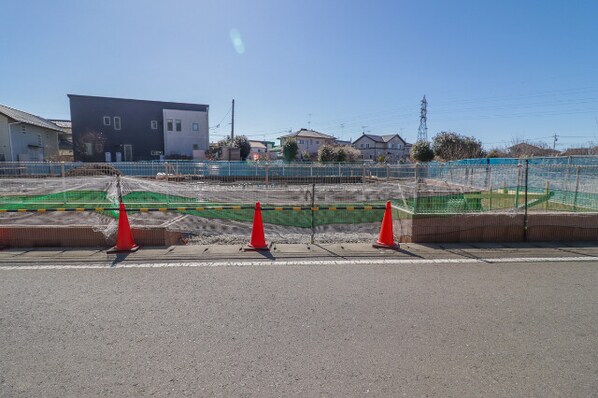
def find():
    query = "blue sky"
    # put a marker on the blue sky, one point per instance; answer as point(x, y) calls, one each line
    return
point(497, 70)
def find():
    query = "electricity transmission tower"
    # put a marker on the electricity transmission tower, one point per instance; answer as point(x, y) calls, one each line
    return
point(422, 132)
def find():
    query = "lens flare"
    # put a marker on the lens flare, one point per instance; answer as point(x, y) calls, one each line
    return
point(235, 37)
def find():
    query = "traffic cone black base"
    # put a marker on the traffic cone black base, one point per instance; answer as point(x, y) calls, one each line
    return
point(117, 250)
point(249, 248)
point(392, 247)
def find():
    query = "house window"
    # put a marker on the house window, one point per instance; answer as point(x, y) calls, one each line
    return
point(116, 122)
point(361, 145)
point(169, 124)
point(310, 142)
point(177, 123)
point(301, 141)
point(88, 148)
point(39, 140)
point(154, 125)
point(317, 142)
point(367, 145)
point(195, 126)
point(195, 146)
point(106, 120)
point(371, 156)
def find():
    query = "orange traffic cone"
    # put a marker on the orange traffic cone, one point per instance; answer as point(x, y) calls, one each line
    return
point(386, 240)
point(258, 238)
point(124, 237)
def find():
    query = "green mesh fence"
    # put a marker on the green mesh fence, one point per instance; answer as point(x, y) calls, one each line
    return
point(280, 214)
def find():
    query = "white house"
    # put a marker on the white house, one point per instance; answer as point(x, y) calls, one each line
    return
point(24, 136)
point(308, 141)
point(391, 146)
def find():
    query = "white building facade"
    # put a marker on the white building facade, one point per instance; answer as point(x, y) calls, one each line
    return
point(185, 132)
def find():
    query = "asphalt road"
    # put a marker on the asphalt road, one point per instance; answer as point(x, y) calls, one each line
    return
point(336, 330)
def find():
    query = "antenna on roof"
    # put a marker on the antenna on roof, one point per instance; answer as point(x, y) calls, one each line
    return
point(309, 121)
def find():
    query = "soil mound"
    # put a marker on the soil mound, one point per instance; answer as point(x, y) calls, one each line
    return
point(93, 170)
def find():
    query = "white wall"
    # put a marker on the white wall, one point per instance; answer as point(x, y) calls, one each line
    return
point(4, 142)
point(396, 147)
point(375, 148)
point(181, 142)
point(26, 139)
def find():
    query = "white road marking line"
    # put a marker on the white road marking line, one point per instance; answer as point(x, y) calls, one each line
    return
point(287, 263)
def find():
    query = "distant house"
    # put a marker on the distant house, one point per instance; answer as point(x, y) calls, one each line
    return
point(119, 129)
point(525, 150)
point(308, 141)
point(65, 140)
point(261, 150)
point(593, 151)
point(26, 137)
point(391, 146)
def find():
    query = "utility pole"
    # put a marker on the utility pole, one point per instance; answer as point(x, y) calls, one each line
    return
point(554, 142)
point(232, 124)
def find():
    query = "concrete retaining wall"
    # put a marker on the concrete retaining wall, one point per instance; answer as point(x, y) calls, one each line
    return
point(483, 227)
point(80, 236)
point(498, 227)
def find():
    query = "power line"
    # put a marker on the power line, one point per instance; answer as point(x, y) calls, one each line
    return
point(224, 117)
point(535, 105)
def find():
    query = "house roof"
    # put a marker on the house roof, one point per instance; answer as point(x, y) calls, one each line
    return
point(309, 134)
point(376, 138)
point(381, 138)
point(163, 103)
point(63, 124)
point(27, 118)
point(389, 137)
point(257, 144)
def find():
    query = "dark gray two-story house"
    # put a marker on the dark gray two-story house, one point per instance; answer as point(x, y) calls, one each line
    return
point(109, 129)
